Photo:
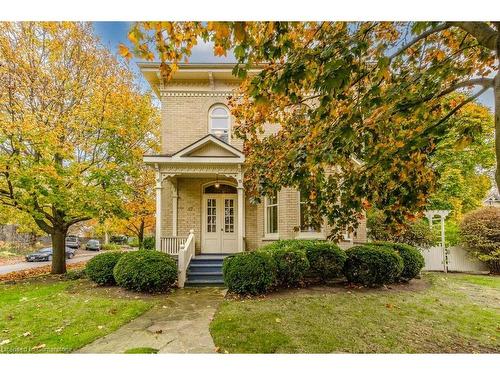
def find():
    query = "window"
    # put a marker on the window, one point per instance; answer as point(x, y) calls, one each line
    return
point(271, 214)
point(303, 226)
point(219, 122)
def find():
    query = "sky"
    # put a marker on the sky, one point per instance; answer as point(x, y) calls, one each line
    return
point(114, 33)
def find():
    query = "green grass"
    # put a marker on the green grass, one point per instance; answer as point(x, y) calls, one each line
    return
point(52, 315)
point(439, 314)
point(141, 350)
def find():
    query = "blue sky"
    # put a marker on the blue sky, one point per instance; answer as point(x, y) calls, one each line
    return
point(114, 33)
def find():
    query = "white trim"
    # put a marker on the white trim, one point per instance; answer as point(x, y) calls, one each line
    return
point(268, 235)
point(192, 160)
point(202, 142)
point(228, 117)
point(311, 236)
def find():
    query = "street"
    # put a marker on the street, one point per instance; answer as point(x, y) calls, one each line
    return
point(80, 255)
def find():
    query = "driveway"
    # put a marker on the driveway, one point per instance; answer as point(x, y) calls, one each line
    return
point(80, 255)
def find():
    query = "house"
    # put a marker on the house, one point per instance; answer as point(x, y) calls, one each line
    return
point(200, 172)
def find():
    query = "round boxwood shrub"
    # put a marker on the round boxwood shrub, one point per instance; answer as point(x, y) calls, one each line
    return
point(372, 265)
point(413, 260)
point(145, 271)
point(99, 269)
point(326, 260)
point(291, 263)
point(249, 273)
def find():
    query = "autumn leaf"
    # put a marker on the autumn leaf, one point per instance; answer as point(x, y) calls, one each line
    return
point(124, 51)
point(219, 50)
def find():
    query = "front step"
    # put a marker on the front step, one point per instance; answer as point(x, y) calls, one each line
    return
point(205, 269)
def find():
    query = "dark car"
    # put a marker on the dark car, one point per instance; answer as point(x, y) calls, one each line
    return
point(119, 240)
point(45, 254)
point(94, 245)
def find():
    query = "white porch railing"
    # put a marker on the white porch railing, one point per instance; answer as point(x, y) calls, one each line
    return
point(186, 253)
point(172, 245)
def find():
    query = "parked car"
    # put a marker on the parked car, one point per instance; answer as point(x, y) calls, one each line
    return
point(93, 245)
point(45, 254)
point(73, 242)
point(119, 240)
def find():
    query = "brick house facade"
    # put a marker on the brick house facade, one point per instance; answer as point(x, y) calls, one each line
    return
point(200, 171)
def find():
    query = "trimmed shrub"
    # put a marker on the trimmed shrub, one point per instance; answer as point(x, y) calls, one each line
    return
point(145, 271)
point(480, 230)
point(99, 269)
point(413, 260)
point(249, 273)
point(372, 265)
point(326, 260)
point(291, 263)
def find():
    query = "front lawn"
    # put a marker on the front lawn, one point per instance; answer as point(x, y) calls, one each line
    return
point(47, 314)
point(438, 314)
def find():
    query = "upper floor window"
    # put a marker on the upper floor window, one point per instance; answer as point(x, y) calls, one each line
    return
point(219, 122)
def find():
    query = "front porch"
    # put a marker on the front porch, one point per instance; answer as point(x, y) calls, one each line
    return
point(200, 201)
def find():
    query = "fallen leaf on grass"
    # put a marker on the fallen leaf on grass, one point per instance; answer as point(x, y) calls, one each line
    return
point(59, 329)
point(4, 342)
point(278, 320)
point(100, 327)
point(26, 334)
point(38, 347)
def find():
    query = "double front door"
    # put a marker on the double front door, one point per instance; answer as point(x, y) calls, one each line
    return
point(220, 227)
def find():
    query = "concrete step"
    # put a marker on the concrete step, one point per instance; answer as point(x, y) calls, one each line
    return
point(204, 283)
point(212, 278)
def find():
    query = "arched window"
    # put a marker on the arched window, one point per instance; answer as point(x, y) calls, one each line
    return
point(219, 122)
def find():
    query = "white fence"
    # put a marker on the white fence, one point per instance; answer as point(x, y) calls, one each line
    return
point(457, 257)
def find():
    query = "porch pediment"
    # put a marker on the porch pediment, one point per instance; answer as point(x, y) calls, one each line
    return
point(207, 147)
point(207, 150)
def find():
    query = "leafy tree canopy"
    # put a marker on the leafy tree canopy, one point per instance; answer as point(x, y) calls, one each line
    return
point(371, 99)
point(74, 126)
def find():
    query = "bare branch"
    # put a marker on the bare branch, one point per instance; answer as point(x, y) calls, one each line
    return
point(420, 37)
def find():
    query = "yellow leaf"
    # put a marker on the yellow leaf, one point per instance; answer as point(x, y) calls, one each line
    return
point(124, 51)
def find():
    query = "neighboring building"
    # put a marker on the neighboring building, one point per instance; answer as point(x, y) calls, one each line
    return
point(493, 199)
point(200, 171)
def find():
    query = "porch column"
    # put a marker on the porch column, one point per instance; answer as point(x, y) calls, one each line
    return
point(241, 216)
point(158, 211)
point(175, 197)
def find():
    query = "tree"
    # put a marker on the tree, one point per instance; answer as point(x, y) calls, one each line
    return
point(480, 230)
point(139, 206)
point(73, 127)
point(370, 98)
point(464, 168)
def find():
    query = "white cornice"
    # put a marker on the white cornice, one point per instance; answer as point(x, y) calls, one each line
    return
point(197, 93)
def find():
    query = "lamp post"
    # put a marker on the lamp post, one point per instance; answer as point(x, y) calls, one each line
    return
point(442, 214)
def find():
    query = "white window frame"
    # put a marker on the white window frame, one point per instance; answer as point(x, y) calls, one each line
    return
point(267, 235)
point(211, 116)
point(307, 234)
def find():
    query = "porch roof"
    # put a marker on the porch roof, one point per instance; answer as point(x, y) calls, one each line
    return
point(207, 150)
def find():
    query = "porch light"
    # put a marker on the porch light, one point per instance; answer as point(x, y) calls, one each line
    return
point(217, 185)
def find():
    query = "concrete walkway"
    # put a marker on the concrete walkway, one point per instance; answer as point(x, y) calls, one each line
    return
point(179, 325)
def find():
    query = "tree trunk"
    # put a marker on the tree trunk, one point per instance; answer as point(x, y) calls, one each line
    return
point(59, 251)
point(106, 237)
point(140, 234)
point(496, 94)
